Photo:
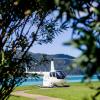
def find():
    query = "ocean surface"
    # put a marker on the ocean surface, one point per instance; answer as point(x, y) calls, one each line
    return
point(70, 78)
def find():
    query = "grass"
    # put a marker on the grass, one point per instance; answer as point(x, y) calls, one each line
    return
point(12, 97)
point(19, 98)
point(76, 91)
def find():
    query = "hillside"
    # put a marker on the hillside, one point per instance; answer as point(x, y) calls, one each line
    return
point(61, 61)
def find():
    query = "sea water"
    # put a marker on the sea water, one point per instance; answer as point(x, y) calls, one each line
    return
point(69, 78)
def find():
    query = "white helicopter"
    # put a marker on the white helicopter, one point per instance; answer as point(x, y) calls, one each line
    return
point(52, 77)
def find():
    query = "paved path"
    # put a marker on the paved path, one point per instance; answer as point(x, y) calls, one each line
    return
point(34, 96)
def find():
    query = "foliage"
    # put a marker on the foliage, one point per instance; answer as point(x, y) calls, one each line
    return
point(22, 23)
point(84, 18)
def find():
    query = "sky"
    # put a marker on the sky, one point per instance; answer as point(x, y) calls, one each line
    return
point(57, 47)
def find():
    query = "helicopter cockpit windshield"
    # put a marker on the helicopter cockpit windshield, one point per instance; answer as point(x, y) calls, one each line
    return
point(58, 74)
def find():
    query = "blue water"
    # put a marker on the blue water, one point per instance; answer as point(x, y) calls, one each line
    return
point(70, 78)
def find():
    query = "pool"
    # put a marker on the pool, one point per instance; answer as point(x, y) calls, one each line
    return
point(69, 78)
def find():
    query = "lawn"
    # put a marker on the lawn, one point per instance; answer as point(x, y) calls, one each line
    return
point(12, 97)
point(76, 91)
point(19, 98)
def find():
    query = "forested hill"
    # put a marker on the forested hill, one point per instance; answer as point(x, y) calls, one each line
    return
point(61, 62)
point(62, 56)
